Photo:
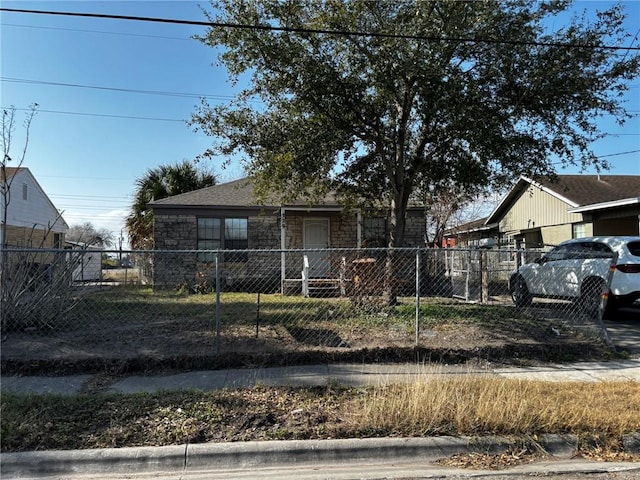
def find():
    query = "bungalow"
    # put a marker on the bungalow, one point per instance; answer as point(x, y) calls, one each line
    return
point(535, 213)
point(229, 216)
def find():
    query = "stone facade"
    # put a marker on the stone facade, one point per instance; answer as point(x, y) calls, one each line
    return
point(261, 268)
point(414, 230)
point(174, 232)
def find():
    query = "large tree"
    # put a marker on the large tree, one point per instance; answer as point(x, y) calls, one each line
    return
point(88, 234)
point(384, 98)
point(161, 182)
point(7, 161)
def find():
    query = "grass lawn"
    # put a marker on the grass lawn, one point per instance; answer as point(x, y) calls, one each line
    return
point(137, 326)
point(463, 406)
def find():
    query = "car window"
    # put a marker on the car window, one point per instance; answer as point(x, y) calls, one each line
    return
point(595, 250)
point(578, 250)
point(558, 253)
point(634, 248)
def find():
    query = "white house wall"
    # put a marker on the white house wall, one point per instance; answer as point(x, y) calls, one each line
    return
point(35, 210)
point(535, 208)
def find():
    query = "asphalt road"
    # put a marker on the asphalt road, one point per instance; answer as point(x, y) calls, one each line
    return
point(624, 330)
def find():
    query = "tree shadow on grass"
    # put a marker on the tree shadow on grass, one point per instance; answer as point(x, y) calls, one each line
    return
point(317, 337)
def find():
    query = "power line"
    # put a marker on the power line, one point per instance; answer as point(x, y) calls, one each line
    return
point(619, 153)
point(70, 195)
point(106, 115)
point(320, 31)
point(86, 178)
point(83, 201)
point(61, 112)
point(128, 90)
point(105, 208)
point(96, 31)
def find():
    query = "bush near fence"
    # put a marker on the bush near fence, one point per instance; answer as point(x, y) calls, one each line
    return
point(255, 304)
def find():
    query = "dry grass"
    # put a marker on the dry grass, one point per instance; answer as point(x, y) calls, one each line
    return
point(476, 405)
point(464, 406)
point(129, 276)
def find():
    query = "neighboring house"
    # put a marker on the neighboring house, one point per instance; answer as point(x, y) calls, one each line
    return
point(228, 216)
point(32, 219)
point(535, 213)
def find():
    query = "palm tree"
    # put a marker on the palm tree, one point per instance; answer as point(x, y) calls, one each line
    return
point(161, 182)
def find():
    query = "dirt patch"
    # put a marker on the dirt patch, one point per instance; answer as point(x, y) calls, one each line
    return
point(124, 331)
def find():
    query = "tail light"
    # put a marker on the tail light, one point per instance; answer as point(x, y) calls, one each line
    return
point(629, 268)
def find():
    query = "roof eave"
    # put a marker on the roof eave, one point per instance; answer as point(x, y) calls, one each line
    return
point(625, 202)
point(482, 228)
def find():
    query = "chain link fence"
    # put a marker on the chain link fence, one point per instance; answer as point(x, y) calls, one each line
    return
point(91, 304)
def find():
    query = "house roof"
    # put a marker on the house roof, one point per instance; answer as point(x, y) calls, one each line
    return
point(589, 189)
point(10, 172)
point(473, 226)
point(577, 191)
point(237, 193)
point(13, 171)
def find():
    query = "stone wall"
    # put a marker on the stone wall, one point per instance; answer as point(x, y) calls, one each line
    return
point(179, 232)
point(174, 232)
point(414, 230)
point(258, 271)
point(264, 232)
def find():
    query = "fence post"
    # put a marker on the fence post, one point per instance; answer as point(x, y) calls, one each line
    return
point(305, 275)
point(217, 302)
point(417, 297)
point(484, 275)
point(603, 303)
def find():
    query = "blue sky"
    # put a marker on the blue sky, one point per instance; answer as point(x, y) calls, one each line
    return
point(88, 164)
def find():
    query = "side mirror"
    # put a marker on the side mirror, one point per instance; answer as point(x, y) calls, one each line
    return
point(539, 260)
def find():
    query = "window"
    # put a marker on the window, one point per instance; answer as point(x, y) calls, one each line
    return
point(222, 233)
point(25, 191)
point(579, 230)
point(375, 232)
point(235, 234)
point(235, 238)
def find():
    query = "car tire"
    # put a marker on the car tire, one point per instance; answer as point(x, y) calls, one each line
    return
point(591, 297)
point(520, 293)
point(610, 309)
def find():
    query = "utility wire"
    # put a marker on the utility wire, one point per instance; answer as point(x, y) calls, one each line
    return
point(319, 31)
point(60, 112)
point(96, 31)
point(106, 115)
point(84, 197)
point(128, 90)
point(149, 92)
point(619, 153)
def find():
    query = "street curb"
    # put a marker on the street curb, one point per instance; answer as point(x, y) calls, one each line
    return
point(198, 457)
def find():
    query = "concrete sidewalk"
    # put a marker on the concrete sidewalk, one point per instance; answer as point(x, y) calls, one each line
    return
point(317, 375)
point(312, 459)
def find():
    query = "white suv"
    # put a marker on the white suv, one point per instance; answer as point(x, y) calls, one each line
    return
point(580, 270)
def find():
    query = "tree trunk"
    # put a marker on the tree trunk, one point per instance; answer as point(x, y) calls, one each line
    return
point(396, 238)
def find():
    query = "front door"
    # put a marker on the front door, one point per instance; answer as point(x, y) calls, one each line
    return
point(316, 236)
